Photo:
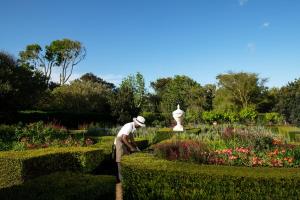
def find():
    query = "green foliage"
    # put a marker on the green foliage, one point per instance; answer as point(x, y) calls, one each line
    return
point(20, 87)
point(288, 133)
point(136, 83)
point(63, 53)
point(146, 177)
point(273, 118)
point(211, 116)
point(162, 134)
point(241, 89)
point(16, 167)
point(81, 96)
point(192, 116)
point(7, 132)
point(123, 105)
point(288, 102)
point(63, 185)
point(231, 117)
point(93, 78)
point(263, 143)
point(69, 119)
point(248, 114)
point(154, 119)
point(184, 91)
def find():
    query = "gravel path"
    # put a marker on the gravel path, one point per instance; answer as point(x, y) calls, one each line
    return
point(119, 195)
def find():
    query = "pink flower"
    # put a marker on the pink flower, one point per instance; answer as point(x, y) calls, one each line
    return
point(242, 150)
point(232, 157)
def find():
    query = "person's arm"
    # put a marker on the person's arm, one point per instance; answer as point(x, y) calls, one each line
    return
point(127, 143)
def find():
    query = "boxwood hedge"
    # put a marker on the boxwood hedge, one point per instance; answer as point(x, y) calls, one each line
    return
point(147, 177)
point(18, 166)
point(63, 185)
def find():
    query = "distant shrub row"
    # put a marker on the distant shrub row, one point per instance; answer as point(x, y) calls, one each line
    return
point(67, 119)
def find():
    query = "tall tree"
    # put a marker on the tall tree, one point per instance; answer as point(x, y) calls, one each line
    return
point(123, 106)
point(33, 57)
point(20, 87)
point(160, 85)
point(184, 91)
point(64, 54)
point(137, 84)
point(241, 89)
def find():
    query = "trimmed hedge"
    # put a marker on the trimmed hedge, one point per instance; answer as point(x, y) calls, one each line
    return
point(290, 133)
point(147, 177)
point(162, 134)
point(63, 185)
point(17, 167)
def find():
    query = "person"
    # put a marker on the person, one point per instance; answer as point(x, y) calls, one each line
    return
point(124, 141)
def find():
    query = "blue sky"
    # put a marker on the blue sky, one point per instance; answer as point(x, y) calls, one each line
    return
point(160, 38)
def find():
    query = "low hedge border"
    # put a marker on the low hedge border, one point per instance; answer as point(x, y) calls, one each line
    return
point(63, 185)
point(148, 177)
point(19, 166)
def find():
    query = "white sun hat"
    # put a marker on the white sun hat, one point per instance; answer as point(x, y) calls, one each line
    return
point(140, 121)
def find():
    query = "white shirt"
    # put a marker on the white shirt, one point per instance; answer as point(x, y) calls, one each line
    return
point(126, 130)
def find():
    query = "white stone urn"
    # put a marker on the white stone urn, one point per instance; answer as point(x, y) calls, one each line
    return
point(178, 116)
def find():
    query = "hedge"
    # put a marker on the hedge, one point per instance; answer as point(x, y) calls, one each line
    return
point(162, 134)
point(147, 177)
point(290, 133)
point(19, 166)
point(67, 119)
point(63, 185)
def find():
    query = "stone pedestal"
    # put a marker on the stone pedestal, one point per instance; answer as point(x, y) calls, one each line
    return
point(178, 116)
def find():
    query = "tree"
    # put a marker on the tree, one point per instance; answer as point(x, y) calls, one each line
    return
point(64, 54)
point(123, 106)
point(20, 87)
point(154, 99)
point(240, 89)
point(160, 85)
point(288, 102)
point(184, 91)
point(93, 78)
point(136, 83)
point(67, 54)
point(82, 96)
point(210, 92)
point(33, 57)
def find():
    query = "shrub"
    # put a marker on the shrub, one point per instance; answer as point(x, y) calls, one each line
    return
point(162, 134)
point(248, 114)
point(273, 118)
point(187, 150)
point(63, 185)
point(147, 177)
point(7, 132)
point(211, 116)
point(16, 167)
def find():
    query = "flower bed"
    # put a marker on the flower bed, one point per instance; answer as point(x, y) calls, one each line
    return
point(278, 155)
